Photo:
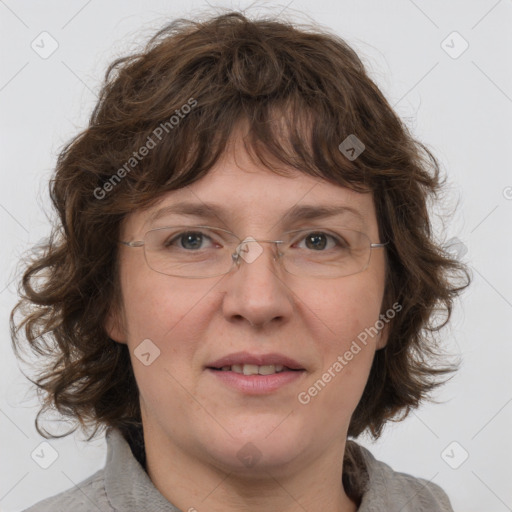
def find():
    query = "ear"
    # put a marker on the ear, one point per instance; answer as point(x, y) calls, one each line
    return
point(382, 338)
point(114, 325)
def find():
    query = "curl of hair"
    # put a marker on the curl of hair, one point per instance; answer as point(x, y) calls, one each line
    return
point(301, 93)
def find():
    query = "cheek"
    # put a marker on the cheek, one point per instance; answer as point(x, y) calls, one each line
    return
point(163, 320)
point(340, 312)
point(342, 321)
point(332, 392)
point(157, 305)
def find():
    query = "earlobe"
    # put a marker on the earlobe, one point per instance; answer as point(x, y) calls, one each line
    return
point(114, 328)
point(382, 339)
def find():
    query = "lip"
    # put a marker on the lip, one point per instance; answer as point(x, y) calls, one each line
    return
point(257, 359)
point(256, 384)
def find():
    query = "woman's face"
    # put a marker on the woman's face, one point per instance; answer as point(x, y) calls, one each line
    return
point(178, 329)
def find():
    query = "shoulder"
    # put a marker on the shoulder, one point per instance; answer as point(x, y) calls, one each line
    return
point(392, 491)
point(86, 496)
point(122, 485)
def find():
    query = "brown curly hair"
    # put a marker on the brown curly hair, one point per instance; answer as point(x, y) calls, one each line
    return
point(231, 69)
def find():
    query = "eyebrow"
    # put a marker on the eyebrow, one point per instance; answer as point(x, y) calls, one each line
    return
point(210, 211)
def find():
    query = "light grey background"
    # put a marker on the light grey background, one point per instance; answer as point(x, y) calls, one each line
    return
point(461, 107)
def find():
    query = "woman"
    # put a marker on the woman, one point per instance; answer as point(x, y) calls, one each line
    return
point(243, 276)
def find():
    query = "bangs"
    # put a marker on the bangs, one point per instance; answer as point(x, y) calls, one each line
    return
point(290, 134)
point(186, 101)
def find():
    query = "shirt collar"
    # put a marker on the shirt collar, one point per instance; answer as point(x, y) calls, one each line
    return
point(127, 485)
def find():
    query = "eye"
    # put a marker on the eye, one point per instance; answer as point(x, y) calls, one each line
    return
point(319, 241)
point(189, 240)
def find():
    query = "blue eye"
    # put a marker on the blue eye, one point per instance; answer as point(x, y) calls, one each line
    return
point(319, 241)
point(194, 239)
point(189, 240)
point(316, 241)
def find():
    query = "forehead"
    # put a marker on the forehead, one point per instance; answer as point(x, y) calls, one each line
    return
point(240, 191)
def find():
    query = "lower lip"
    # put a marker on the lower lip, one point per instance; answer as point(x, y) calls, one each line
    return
point(256, 384)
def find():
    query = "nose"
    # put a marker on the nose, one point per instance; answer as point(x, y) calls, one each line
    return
point(255, 291)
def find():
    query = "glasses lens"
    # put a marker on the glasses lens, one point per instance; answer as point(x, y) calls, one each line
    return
point(189, 251)
point(201, 251)
point(326, 253)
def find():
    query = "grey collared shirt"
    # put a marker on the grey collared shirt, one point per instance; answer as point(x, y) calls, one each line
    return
point(124, 486)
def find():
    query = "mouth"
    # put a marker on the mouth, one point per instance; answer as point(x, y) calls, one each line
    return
point(253, 364)
point(253, 369)
point(256, 374)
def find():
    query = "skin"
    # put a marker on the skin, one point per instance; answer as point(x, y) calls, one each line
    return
point(194, 425)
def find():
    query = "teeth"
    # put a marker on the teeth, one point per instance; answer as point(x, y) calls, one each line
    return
point(268, 369)
point(250, 369)
point(253, 369)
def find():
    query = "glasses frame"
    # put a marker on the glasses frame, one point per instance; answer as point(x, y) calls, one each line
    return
point(236, 258)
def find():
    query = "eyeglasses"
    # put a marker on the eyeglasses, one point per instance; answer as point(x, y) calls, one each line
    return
point(204, 251)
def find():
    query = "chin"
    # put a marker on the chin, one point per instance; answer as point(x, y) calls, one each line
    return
point(257, 446)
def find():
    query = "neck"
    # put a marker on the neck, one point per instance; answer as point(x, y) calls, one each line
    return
point(194, 485)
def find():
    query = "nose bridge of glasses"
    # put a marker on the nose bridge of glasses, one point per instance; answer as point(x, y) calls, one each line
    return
point(249, 249)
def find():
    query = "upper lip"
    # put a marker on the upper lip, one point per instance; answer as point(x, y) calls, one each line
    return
point(257, 359)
